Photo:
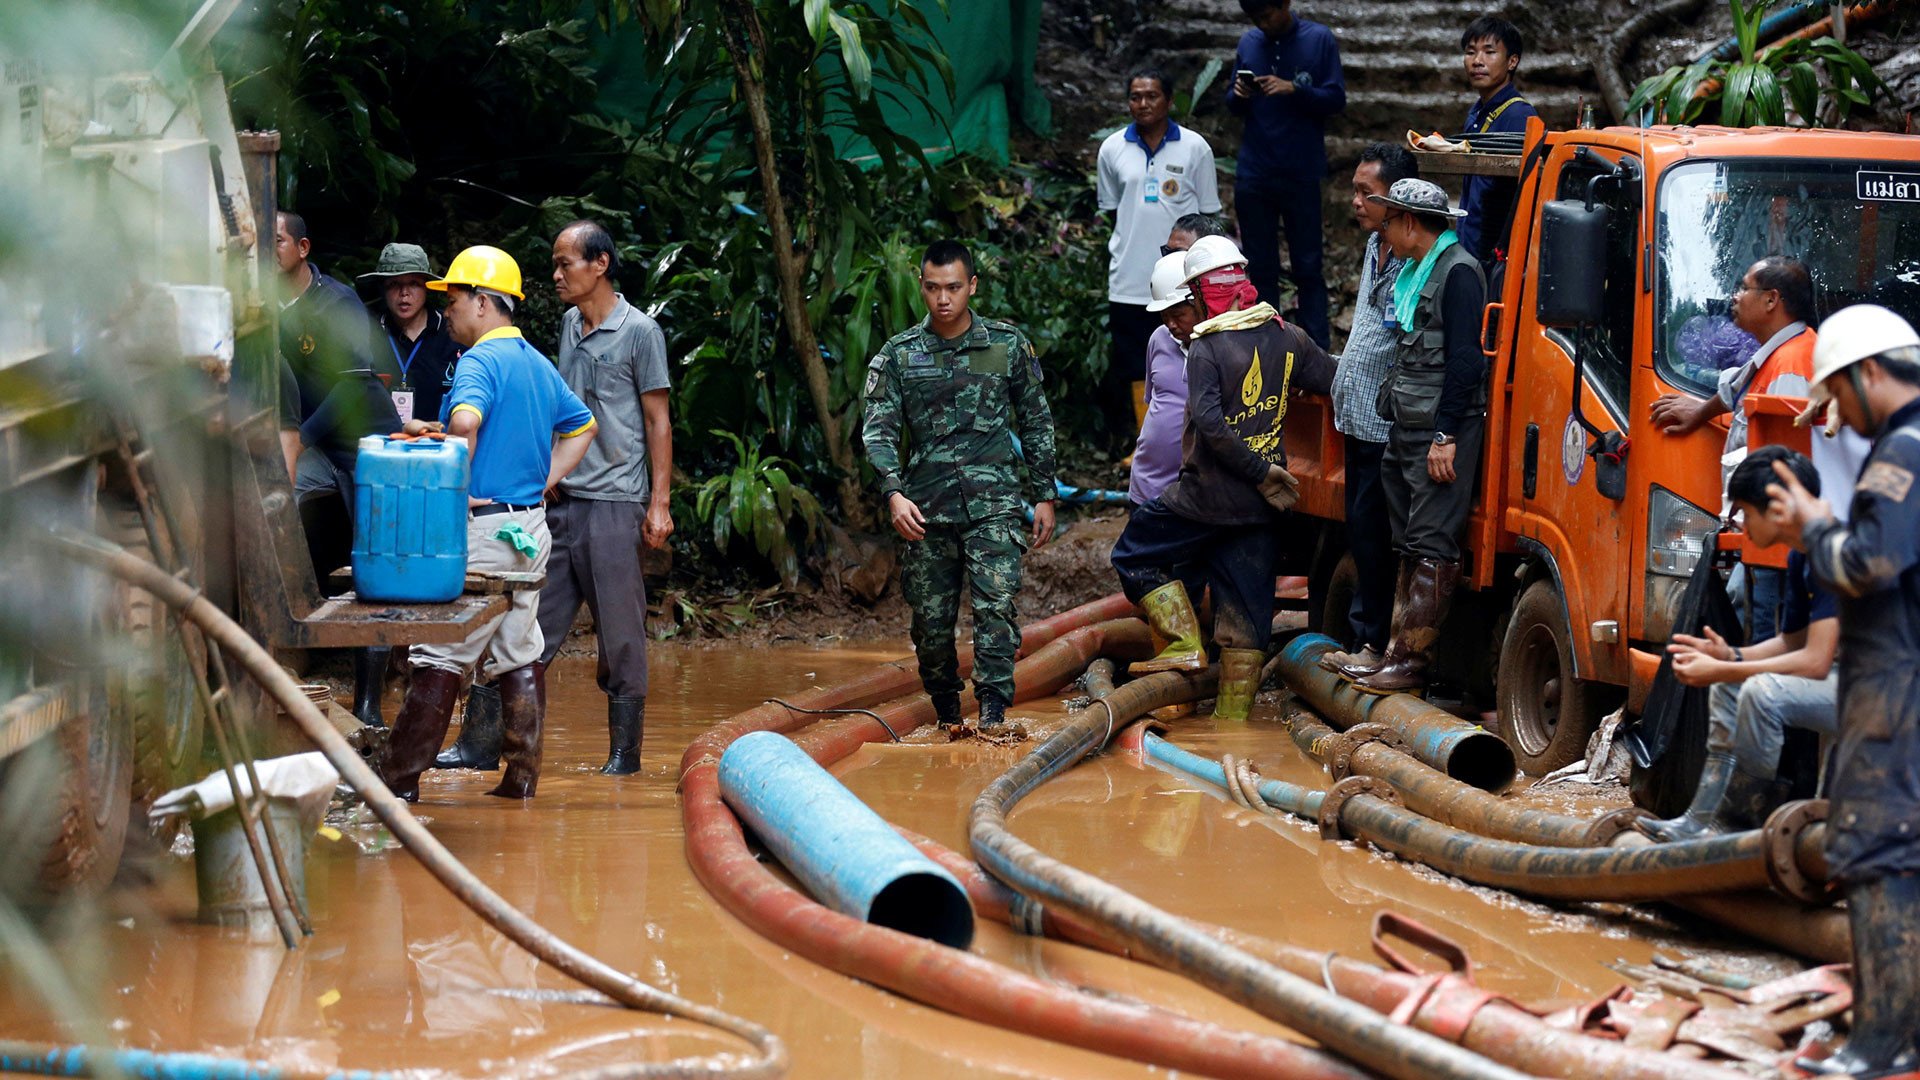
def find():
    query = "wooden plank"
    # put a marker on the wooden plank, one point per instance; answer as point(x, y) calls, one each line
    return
point(481, 583)
point(345, 621)
point(1457, 164)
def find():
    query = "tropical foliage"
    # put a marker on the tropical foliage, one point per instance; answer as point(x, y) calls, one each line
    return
point(1822, 79)
point(758, 502)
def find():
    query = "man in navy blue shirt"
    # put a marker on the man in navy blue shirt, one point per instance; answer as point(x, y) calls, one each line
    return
point(1492, 47)
point(1286, 84)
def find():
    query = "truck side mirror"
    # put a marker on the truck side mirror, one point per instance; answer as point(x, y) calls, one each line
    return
point(1573, 263)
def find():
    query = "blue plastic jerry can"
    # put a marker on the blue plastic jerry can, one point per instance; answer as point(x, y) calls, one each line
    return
point(410, 520)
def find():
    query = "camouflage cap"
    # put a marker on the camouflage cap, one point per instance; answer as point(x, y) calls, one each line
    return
point(1422, 197)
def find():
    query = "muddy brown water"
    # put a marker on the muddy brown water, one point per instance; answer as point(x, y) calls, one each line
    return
point(400, 976)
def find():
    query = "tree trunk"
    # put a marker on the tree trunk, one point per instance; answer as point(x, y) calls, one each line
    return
point(745, 39)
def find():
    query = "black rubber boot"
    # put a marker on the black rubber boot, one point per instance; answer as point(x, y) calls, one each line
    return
point(369, 680)
point(1699, 818)
point(1746, 804)
point(1884, 916)
point(626, 723)
point(478, 744)
point(946, 710)
point(993, 712)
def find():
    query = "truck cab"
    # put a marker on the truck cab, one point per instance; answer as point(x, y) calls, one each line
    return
point(1626, 246)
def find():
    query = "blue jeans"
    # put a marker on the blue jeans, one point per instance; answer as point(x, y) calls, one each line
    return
point(1751, 718)
point(1262, 208)
point(1759, 595)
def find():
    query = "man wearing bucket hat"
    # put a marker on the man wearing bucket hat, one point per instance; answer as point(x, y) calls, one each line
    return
point(416, 339)
point(1218, 515)
point(1866, 365)
point(527, 430)
point(1435, 397)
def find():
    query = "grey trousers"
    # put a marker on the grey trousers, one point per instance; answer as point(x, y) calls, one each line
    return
point(1750, 718)
point(596, 561)
point(1428, 518)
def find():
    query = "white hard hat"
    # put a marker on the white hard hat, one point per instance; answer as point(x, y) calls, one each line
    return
point(1169, 282)
point(1851, 335)
point(1210, 253)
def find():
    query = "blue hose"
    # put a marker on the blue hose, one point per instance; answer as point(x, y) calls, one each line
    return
point(1294, 799)
point(44, 1060)
point(1774, 27)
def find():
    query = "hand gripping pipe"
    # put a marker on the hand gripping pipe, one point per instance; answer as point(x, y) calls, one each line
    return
point(842, 851)
point(1348, 1028)
point(947, 979)
point(1467, 752)
point(769, 1058)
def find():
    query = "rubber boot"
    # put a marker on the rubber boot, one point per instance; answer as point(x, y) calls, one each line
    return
point(626, 723)
point(1239, 682)
point(1698, 821)
point(1429, 595)
point(946, 710)
point(522, 715)
point(1746, 804)
point(478, 744)
point(1170, 614)
point(993, 712)
point(1139, 404)
point(369, 680)
point(418, 729)
point(1884, 916)
point(1367, 661)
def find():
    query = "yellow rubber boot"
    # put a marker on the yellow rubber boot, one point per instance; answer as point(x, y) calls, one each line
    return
point(1139, 404)
point(1239, 682)
point(1170, 614)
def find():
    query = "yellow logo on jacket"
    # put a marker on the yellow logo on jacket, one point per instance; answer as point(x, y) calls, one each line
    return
point(1265, 442)
point(1250, 387)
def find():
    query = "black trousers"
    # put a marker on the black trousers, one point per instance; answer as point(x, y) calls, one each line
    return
point(596, 561)
point(1429, 518)
point(1262, 210)
point(1238, 562)
point(1131, 326)
point(1370, 540)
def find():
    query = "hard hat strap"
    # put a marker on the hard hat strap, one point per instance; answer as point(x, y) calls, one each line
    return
point(507, 298)
point(1860, 393)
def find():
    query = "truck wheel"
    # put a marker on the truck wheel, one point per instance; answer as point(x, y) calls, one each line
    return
point(155, 691)
point(1546, 715)
point(84, 807)
point(1336, 605)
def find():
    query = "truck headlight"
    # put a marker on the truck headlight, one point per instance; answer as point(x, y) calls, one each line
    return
point(1678, 534)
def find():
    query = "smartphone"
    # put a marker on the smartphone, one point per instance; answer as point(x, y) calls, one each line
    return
point(1244, 73)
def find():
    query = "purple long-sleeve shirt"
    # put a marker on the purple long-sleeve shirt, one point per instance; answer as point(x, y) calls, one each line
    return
point(1156, 457)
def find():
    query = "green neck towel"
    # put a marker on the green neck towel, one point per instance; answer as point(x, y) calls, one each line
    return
point(1413, 277)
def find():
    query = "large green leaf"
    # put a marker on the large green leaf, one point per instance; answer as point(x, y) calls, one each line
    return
point(853, 54)
point(817, 12)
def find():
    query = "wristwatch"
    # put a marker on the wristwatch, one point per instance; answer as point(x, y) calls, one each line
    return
point(1441, 438)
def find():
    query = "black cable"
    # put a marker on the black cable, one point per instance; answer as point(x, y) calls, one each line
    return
point(836, 712)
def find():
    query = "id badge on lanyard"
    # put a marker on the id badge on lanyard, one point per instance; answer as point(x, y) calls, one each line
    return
point(1150, 191)
point(403, 394)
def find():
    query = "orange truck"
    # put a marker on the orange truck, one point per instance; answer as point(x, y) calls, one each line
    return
point(1626, 246)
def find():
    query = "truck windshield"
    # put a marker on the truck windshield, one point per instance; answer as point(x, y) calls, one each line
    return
point(1717, 218)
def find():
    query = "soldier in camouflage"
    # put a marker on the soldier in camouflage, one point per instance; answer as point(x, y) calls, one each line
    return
point(944, 401)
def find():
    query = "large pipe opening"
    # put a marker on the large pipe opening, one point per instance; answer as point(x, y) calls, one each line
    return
point(1483, 760)
point(925, 905)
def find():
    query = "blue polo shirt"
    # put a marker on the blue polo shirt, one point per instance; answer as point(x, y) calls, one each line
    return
point(522, 403)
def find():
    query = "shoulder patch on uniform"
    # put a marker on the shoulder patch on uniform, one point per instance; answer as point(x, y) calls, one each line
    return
point(1887, 480)
point(1000, 324)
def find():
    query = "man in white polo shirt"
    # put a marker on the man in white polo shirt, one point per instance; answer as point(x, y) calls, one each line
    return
point(1151, 173)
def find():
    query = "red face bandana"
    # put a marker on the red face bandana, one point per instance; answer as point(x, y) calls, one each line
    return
point(1226, 289)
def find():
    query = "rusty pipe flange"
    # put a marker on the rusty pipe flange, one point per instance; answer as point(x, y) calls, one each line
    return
point(1341, 748)
point(1338, 794)
point(1604, 828)
point(1780, 840)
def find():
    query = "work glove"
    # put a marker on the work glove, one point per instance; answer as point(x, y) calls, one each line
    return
point(1279, 489)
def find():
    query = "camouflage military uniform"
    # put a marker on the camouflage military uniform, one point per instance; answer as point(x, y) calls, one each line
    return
point(940, 421)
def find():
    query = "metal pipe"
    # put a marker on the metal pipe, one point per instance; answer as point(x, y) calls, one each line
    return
point(947, 979)
point(1467, 752)
point(49, 1059)
point(1348, 1028)
point(769, 1058)
point(844, 853)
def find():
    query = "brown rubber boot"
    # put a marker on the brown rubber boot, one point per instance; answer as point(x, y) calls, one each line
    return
point(1239, 682)
point(1365, 662)
point(522, 715)
point(418, 729)
point(1428, 596)
point(1171, 615)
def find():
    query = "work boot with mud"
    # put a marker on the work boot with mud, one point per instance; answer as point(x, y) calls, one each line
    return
point(1239, 682)
point(369, 681)
point(1429, 595)
point(418, 729)
point(1359, 665)
point(1884, 916)
point(946, 711)
point(522, 715)
point(1171, 615)
point(1748, 801)
point(1698, 821)
point(993, 711)
point(478, 744)
point(626, 723)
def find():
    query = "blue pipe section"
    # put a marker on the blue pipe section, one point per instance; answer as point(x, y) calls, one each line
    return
point(1294, 799)
point(1772, 28)
point(846, 855)
point(19, 1057)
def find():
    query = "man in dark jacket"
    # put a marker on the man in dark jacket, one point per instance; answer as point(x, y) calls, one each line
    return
point(1286, 83)
point(1221, 512)
point(1491, 46)
point(1867, 364)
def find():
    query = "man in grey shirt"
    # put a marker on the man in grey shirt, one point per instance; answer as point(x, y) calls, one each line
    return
point(615, 358)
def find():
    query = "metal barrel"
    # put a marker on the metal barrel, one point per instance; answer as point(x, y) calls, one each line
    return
point(844, 853)
point(1467, 752)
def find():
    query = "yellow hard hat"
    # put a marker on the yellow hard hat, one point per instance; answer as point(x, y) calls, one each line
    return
point(482, 267)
